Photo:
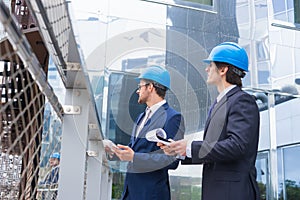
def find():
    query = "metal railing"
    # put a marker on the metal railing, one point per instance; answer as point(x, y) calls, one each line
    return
point(28, 135)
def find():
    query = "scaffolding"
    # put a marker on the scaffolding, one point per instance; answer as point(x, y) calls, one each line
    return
point(33, 122)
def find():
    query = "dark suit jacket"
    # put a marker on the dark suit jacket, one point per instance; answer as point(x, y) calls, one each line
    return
point(147, 176)
point(229, 149)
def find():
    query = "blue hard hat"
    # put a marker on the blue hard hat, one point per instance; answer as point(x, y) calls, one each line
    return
point(157, 74)
point(231, 53)
point(55, 155)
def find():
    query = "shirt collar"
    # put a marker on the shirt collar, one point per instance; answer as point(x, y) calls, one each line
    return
point(156, 106)
point(224, 92)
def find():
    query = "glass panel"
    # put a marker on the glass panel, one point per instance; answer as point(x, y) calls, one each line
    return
point(281, 16)
point(279, 6)
point(261, 51)
point(281, 189)
point(291, 172)
point(297, 11)
point(287, 10)
point(262, 174)
point(291, 16)
point(123, 107)
point(290, 4)
point(117, 43)
point(243, 13)
point(261, 9)
point(206, 2)
point(263, 76)
point(187, 4)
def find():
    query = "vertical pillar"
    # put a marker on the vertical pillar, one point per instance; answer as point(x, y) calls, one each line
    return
point(94, 168)
point(74, 146)
point(106, 183)
point(273, 148)
point(99, 181)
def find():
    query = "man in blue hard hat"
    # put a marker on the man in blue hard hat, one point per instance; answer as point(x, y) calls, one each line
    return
point(229, 147)
point(51, 179)
point(147, 172)
point(53, 175)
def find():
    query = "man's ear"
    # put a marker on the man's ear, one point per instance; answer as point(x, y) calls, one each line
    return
point(224, 70)
point(151, 87)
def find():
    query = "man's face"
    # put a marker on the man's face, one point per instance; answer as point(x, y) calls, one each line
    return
point(142, 92)
point(213, 75)
point(53, 162)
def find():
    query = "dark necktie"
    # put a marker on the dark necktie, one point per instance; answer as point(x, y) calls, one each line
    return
point(211, 108)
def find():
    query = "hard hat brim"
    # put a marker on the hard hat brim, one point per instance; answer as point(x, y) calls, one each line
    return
point(207, 61)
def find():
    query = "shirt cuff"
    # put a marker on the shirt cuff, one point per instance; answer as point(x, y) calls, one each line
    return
point(189, 149)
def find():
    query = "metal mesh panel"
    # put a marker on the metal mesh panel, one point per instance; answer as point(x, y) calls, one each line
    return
point(30, 130)
point(54, 23)
point(21, 121)
point(58, 17)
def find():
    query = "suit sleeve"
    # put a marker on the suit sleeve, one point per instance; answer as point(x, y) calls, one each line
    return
point(241, 134)
point(174, 128)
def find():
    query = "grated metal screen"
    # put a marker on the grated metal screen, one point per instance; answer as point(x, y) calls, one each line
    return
point(30, 129)
point(53, 20)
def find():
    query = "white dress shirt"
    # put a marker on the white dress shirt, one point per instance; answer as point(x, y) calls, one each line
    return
point(149, 113)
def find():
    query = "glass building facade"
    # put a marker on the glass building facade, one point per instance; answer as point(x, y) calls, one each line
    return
point(119, 38)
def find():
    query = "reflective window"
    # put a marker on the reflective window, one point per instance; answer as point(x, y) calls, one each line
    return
point(206, 2)
point(242, 11)
point(261, 9)
point(279, 6)
point(280, 172)
point(262, 174)
point(290, 179)
point(190, 4)
point(287, 10)
point(260, 69)
point(297, 11)
point(174, 34)
point(123, 107)
point(261, 51)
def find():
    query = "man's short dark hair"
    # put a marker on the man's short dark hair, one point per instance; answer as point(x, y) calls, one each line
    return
point(159, 88)
point(233, 75)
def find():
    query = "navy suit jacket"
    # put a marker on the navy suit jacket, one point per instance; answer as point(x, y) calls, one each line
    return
point(147, 176)
point(229, 149)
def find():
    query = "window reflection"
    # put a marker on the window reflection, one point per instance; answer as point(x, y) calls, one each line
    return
point(205, 2)
point(262, 174)
point(290, 180)
point(192, 97)
point(284, 10)
point(261, 9)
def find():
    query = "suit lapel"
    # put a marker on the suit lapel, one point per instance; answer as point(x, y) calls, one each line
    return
point(213, 112)
point(152, 121)
point(221, 103)
point(150, 124)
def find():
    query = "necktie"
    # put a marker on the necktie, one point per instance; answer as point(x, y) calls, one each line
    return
point(211, 108)
point(146, 117)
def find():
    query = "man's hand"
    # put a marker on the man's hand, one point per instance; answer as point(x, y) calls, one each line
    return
point(166, 148)
point(125, 153)
point(108, 147)
point(174, 148)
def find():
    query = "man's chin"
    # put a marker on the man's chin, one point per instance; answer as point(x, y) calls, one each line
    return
point(141, 101)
